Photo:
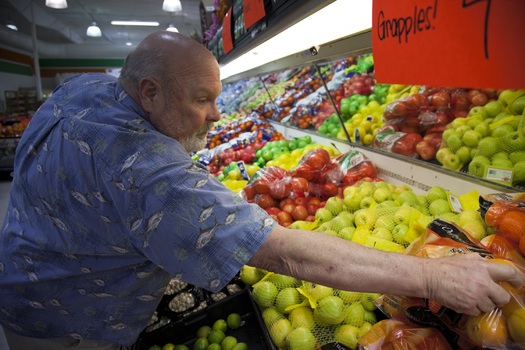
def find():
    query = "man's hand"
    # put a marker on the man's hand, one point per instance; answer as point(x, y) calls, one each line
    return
point(468, 283)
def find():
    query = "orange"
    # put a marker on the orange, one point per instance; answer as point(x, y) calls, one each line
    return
point(512, 225)
point(488, 329)
point(495, 213)
point(516, 299)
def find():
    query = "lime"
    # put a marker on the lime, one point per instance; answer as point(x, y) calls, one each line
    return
point(234, 320)
point(214, 346)
point(216, 336)
point(228, 343)
point(181, 347)
point(154, 347)
point(203, 332)
point(168, 346)
point(201, 344)
point(220, 325)
point(240, 346)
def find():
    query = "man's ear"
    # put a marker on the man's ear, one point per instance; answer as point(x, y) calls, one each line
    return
point(150, 94)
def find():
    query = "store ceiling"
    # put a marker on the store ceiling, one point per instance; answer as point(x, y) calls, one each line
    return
point(62, 33)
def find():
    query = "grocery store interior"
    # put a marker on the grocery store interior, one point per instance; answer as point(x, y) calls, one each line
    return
point(385, 157)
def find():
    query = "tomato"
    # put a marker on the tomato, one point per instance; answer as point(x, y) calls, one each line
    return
point(265, 200)
point(279, 189)
point(261, 186)
point(299, 185)
point(317, 158)
point(299, 213)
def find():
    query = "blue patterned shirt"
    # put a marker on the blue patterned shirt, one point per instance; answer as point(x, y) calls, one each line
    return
point(104, 210)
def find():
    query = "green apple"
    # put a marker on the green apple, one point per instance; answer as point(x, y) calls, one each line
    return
point(477, 165)
point(442, 153)
point(264, 293)
point(513, 142)
point(334, 205)
point(469, 215)
point(301, 339)
point(493, 108)
point(387, 204)
point(407, 197)
point(502, 130)
point(346, 233)
point(438, 207)
point(349, 191)
point(399, 232)
point(450, 217)
point(474, 120)
point(368, 300)
point(403, 215)
point(446, 134)
point(436, 192)
point(483, 128)
point(454, 142)
point(279, 331)
point(285, 298)
point(367, 202)
point(329, 310)
point(352, 202)
point(302, 316)
point(502, 163)
point(488, 146)
point(347, 335)
point(452, 161)
point(382, 194)
point(464, 154)
point(471, 138)
point(500, 155)
point(349, 296)
point(474, 152)
point(367, 326)
point(517, 156)
point(364, 217)
point(270, 315)
point(317, 291)
point(457, 122)
point(382, 232)
point(366, 191)
point(386, 221)
point(250, 275)
point(323, 215)
point(476, 229)
point(282, 281)
point(347, 216)
point(478, 110)
point(518, 172)
point(355, 314)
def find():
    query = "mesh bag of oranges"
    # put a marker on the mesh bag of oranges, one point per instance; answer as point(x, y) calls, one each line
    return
point(300, 315)
point(502, 328)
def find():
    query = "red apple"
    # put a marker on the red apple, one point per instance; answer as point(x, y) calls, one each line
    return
point(425, 150)
point(299, 213)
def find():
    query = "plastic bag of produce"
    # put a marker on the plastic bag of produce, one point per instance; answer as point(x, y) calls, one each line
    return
point(397, 335)
point(490, 141)
point(502, 328)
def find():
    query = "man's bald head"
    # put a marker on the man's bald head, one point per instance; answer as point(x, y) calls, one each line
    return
point(165, 56)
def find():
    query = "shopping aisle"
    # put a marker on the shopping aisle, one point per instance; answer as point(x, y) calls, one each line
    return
point(4, 198)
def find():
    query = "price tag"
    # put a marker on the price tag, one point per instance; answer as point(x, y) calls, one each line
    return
point(253, 11)
point(461, 43)
point(227, 41)
point(503, 175)
point(455, 203)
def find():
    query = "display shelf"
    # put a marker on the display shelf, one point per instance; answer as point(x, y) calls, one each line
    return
point(398, 169)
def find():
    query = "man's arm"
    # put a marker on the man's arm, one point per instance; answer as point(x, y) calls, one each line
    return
point(466, 284)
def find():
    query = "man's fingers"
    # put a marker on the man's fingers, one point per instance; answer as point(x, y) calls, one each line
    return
point(506, 271)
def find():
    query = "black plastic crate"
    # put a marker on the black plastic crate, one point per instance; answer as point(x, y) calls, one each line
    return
point(252, 331)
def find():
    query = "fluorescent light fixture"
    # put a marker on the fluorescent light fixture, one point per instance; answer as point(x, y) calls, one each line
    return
point(93, 30)
point(171, 28)
point(135, 23)
point(11, 26)
point(56, 4)
point(337, 20)
point(171, 6)
point(129, 43)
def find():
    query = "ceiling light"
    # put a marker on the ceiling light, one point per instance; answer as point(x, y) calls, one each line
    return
point(56, 4)
point(135, 23)
point(172, 28)
point(340, 17)
point(93, 30)
point(11, 25)
point(172, 6)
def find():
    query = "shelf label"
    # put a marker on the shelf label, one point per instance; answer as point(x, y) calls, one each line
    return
point(501, 175)
point(227, 42)
point(253, 11)
point(461, 43)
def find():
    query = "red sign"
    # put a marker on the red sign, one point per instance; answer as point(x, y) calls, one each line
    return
point(253, 11)
point(461, 43)
point(227, 42)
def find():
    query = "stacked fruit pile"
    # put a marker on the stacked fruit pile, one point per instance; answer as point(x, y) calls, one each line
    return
point(491, 136)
